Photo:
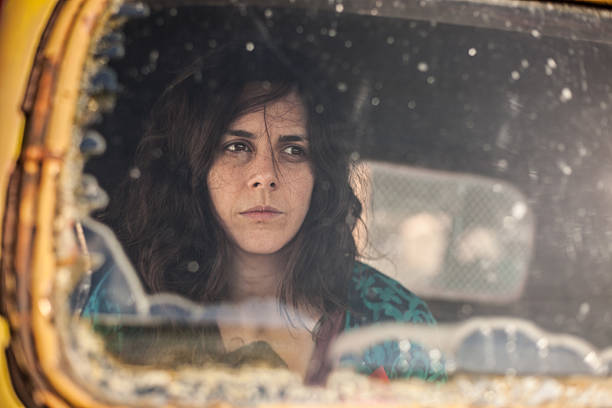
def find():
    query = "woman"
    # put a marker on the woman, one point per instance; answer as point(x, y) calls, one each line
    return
point(243, 193)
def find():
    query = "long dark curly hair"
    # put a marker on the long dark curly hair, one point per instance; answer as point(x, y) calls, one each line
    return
point(165, 218)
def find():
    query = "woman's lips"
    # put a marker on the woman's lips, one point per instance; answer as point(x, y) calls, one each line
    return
point(261, 213)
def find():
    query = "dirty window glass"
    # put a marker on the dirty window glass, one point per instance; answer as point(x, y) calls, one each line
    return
point(395, 193)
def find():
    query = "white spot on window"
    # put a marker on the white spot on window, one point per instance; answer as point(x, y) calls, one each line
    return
point(472, 52)
point(342, 87)
point(319, 108)
point(348, 44)
point(435, 354)
point(431, 80)
point(566, 95)
point(585, 308)
point(423, 67)
point(390, 40)
point(375, 101)
point(564, 167)
point(268, 13)
point(519, 210)
point(551, 63)
point(515, 75)
point(332, 32)
point(193, 266)
point(250, 46)
point(411, 104)
point(536, 33)
point(339, 8)
point(135, 173)
point(524, 63)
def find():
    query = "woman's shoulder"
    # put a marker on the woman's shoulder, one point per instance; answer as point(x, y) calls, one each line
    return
point(376, 297)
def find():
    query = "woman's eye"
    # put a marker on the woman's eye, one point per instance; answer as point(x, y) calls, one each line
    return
point(237, 147)
point(294, 151)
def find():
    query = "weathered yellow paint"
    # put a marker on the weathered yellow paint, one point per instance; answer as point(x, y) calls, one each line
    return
point(8, 399)
point(22, 23)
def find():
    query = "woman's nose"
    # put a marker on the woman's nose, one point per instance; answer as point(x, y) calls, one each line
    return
point(264, 172)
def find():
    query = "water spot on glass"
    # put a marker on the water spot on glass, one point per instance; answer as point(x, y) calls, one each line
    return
point(374, 12)
point(319, 108)
point(411, 104)
point(342, 87)
point(431, 80)
point(564, 167)
point(354, 156)
point(524, 63)
point(422, 66)
point(497, 188)
point(584, 310)
point(435, 355)
point(173, 12)
point(193, 266)
point(266, 85)
point(310, 38)
point(472, 52)
point(135, 173)
point(268, 13)
point(339, 8)
point(466, 310)
point(405, 58)
point(44, 306)
point(249, 46)
point(404, 346)
point(566, 95)
point(591, 359)
point(375, 101)
point(515, 75)
point(390, 40)
point(348, 44)
point(536, 33)
point(159, 21)
point(323, 31)
point(502, 164)
point(561, 147)
point(551, 63)
point(188, 46)
point(213, 44)
point(332, 32)
point(519, 210)
point(299, 29)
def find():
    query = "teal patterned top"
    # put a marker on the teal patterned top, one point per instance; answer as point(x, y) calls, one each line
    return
point(373, 298)
point(376, 298)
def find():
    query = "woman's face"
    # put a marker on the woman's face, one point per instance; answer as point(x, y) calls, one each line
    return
point(261, 180)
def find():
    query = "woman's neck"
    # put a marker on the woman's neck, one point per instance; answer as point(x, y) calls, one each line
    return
point(255, 275)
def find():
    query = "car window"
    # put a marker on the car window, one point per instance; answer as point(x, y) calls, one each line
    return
point(475, 142)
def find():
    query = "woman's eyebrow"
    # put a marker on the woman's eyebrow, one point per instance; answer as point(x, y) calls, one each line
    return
point(241, 133)
point(292, 138)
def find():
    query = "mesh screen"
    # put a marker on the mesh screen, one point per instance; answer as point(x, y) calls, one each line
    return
point(446, 235)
